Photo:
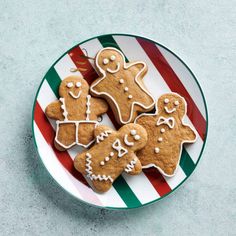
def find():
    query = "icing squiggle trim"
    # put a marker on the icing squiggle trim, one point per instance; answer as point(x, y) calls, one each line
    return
point(89, 171)
point(136, 80)
point(63, 107)
point(181, 145)
point(126, 141)
point(103, 135)
point(130, 166)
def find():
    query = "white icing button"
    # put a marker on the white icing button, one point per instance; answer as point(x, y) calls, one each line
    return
point(160, 139)
point(113, 57)
point(126, 89)
point(107, 158)
point(78, 84)
point(157, 150)
point(111, 154)
point(133, 132)
point(102, 163)
point(166, 100)
point(136, 137)
point(105, 61)
point(163, 130)
point(176, 103)
point(130, 96)
point(69, 85)
point(121, 81)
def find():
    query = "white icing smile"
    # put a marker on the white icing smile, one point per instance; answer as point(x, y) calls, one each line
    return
point(116, 70)
point(75, 96)
point(170, 111)
point(126, 141)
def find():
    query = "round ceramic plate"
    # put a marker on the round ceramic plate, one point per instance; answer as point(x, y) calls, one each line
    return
point(166, 73)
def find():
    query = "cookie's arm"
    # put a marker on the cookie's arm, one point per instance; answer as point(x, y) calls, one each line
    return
point(137, 67)
point(98, 86)
point(101, 130)
point(99, 106)
point(188, 134)
point(53, 111)
point(134, 167)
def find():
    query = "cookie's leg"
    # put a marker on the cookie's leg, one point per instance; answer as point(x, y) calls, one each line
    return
point(86, 133)
point(66, 135)
point(80, 163)
point(102, 186)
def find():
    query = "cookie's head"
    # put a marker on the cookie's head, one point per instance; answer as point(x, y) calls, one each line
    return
point(109, 60)
point(134, 136)
point(73, 87)
point(171, 104)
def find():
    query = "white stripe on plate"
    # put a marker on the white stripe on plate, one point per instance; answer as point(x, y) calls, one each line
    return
point(140, 185)
point(177, 179)
point(45, 97)
point(67, 181)
point(186, 78)
point(64, 66)
point(154, 82)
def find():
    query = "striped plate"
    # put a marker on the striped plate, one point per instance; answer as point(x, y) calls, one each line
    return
point(166, 73)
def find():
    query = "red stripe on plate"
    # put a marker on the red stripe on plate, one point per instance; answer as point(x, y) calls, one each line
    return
point(49, 134)
point(157, 180)
point(88, 72)
point(174, 84)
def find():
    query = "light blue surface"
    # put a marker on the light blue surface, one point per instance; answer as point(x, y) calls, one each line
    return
point(33, 34)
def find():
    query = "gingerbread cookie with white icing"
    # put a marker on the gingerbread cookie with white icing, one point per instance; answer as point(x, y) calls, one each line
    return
point(113, 153)
point(166, 134)
point(76, 113)
point(121, 84)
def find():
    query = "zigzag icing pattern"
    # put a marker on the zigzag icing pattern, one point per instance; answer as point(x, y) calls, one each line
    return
point(90, 172)
point(103, 135)
point(130, 166)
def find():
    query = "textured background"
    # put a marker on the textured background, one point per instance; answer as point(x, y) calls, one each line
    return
point(33, 34)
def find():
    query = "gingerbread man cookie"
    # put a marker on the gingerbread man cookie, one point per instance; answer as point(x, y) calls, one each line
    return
point(76, 113)
point(113, 153)
point(121, 84)
point(166, 134)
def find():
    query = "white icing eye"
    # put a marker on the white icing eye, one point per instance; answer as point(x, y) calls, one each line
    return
point(113, 57)
point(137, 137)
point(69, 85)
point(133, 132)
point(166, 100)
point(176, 103)
point(78, 84)
point(105, 61)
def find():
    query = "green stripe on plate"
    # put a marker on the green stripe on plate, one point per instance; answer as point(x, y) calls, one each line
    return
point(126, 193)
point(120, 184)
point(108, 41)
point(186, 163)
point(53, 80)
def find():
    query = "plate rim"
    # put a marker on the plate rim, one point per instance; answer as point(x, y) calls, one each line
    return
point(204, 102)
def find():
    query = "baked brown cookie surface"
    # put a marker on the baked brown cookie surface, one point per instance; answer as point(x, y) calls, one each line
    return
point(113, 153)
point(76, 113)
point(166, 134)
point(121, 84)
